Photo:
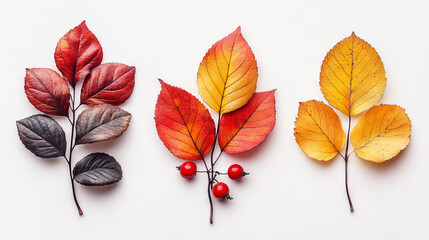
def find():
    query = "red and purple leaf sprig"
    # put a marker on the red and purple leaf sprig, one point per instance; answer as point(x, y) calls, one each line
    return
point(78, 57)
point(226, 82)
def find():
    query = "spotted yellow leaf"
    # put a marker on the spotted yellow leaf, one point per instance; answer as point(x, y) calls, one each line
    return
point(318, 130)
point(352, 78)
point(228, 73)
point(381, 133)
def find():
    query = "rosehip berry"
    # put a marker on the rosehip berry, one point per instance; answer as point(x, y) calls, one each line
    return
point(221, 191)
point(188, 170)
point(235, 172)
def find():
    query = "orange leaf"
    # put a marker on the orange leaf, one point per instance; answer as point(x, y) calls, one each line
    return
point(183, 123)
point(382, 133)
point(318, 130)
point(228, 73)
point(352, 78)
point(247, 127)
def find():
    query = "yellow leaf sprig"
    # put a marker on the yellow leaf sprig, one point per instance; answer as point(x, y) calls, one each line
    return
point(352, 80)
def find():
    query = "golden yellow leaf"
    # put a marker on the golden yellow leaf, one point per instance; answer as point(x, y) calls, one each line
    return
point(382, 133)
point(352, 78)
point(318, 130)
point(228, 73)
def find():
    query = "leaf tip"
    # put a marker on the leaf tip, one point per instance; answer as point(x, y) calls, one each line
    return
point(161, 81)
point(353, 34)
point(83, 24)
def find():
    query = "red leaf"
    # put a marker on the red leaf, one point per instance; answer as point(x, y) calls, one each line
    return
point(110, 83)
point(47, 91)
point(183, 123)
point(247, 127)
point(77, 53)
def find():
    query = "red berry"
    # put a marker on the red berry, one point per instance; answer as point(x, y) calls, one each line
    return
point(236, 172)
point(188, 170)
point(221, 191)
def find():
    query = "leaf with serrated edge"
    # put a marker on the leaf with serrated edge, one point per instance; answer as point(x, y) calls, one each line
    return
point(248, 126)
point(101, 123)
point(228, 73)
point(42, 135)
point(110, 83)
point(97, 169)
point(318, 130)
point(77, 52)
point(352, 78)
point(381, 133)
point(183, 123)
point(47, 91)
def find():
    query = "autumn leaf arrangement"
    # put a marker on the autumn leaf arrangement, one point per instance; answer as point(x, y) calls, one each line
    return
point(352, 80)
point(78, 57)
point(226, 82)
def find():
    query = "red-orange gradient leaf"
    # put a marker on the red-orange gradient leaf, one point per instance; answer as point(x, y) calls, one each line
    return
point(247, 127)
point(183, 123)
point(110, 83)
point(77, 53)
point(47, 91)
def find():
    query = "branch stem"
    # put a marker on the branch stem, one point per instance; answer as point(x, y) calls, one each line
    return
point(346, 160)
point(72, 145)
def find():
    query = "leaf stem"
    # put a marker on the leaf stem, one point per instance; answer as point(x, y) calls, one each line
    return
point(72, 145)
point(211, 173)
point(208, 191)
point(346, 159)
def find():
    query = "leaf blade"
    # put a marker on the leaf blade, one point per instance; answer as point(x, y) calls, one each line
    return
point(248, 126)
point(101, 123)
point(183, 123)
point(381, 133)
point(228, 74)
point(97, 169)
point(42, 135)
point(47, 91)
point(109, 83)
point(318, 130)
point(352, 77)
point(77, 53)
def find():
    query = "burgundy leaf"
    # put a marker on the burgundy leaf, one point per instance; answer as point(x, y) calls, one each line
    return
point(110, 83)
point(47, 91)
point(77, 53)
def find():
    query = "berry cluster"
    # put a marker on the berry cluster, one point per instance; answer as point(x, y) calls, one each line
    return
point(220, 190)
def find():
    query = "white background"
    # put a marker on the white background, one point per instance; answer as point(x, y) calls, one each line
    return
point(287, 195)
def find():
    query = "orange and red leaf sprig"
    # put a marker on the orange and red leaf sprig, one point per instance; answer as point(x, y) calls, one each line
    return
point(226, 82)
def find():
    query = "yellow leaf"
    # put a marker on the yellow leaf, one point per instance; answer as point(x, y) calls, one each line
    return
point(228, 73)
point(352, 78)
point(382, 133)
point(318, 130)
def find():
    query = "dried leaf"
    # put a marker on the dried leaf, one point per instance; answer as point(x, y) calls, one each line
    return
point(42, 135)
point(110, 83)
point(101, 123)
point(228, 73)
point(318, 130)
point(381, 133)
point(47, 91)
point(352, 78)
point(183, 123)
point(97, 169)
point(247, 127)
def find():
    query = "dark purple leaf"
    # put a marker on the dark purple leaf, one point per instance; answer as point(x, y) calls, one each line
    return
point(42, 135)
point(97, 169)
